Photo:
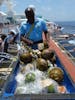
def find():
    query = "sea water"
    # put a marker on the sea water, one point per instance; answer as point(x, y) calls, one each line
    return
point(69, 26)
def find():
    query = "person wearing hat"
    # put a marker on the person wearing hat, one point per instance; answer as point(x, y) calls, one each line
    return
point(0, 44)
point(2, 38)
point(10, 39)
point(32, 7)
point(32, 30)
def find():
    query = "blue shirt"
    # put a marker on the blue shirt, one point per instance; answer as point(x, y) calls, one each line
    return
point(36, 33)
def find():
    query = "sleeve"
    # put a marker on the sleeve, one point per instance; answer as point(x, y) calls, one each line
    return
point(22, 30)
point(44, 26)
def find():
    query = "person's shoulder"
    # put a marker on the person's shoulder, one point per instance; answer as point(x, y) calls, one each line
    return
point(24, 23)
point(39, 19)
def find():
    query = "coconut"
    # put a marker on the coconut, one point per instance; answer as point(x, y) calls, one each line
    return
point(30, 77)
point(51, 89)
point(47, 54)
point(42, 64)
point(56, 74)
point(26, 57)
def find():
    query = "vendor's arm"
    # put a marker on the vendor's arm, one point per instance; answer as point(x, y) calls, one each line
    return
point(45, 32)
point(22, 35)
point(46, 38)
point(27, 41)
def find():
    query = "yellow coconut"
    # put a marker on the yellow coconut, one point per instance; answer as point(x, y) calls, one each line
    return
point(42, 64)
point(56, 73)
point(26, 57)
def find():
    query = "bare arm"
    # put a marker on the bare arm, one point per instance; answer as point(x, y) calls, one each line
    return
point(45, 39)
point(25, 40)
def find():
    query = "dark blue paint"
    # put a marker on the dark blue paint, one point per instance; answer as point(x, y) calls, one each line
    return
point(67, 82)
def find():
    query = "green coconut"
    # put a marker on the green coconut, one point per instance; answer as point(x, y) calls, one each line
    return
point(51, 89)
point(42, 64)
point(56, 74)
point(30, 77)
point(26, 57)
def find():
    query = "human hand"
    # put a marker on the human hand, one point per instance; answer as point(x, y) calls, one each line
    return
point(45, 44)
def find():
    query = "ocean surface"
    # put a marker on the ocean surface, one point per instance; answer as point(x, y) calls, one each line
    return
point(69, 26)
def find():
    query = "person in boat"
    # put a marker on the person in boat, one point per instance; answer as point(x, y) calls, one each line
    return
point(3, 36)
point(32, 7)
point(12, 38)
point(32, 30)
point(0, 44)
